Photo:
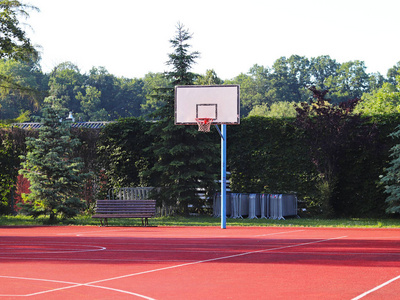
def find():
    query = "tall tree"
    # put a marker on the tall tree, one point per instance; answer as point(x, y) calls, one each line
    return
point(65, 82)
point(182, 161)
point(391, 180)
point(23, 88)
point(55, 175)
point(321, 68)
point(14, 43)
point(350, 81)
point(16, 47)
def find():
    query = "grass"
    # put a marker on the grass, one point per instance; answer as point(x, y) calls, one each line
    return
point(207, 221)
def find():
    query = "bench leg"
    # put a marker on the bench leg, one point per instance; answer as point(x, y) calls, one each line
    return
point(105, 222)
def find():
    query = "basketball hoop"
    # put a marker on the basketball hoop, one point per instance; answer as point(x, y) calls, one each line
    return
point(204, 124)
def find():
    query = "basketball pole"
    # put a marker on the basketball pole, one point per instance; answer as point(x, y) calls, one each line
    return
point(223, 176)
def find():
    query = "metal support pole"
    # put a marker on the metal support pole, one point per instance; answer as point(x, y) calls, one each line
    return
point(223, 176)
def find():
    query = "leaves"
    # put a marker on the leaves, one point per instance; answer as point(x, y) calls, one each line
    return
point(14, 43)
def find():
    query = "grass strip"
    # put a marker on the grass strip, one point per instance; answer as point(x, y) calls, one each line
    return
point(207, 221)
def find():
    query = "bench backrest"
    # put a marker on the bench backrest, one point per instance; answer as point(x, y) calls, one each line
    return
point(126, 207)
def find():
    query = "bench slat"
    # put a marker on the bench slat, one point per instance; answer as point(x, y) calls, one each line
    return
point(125, 209)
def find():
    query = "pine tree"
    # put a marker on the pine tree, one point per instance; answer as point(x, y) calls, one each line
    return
point(392, 178)
point(184, 157)
point(55, 175)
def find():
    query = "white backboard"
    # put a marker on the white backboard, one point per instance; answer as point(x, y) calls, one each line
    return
point(218, 102)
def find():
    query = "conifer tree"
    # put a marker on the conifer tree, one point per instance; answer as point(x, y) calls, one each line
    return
point(55, 175)
point(183, 160)
point(391, 180)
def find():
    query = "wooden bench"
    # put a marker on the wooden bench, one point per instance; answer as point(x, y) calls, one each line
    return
point(143, 209)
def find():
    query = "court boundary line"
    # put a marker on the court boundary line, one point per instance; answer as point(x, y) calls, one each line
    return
point(89, 233)
point(94, 283)
point(376, 288)
point(73, 285)
point(175, 260)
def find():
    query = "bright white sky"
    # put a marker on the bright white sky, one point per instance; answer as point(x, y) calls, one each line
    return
point(131, 37)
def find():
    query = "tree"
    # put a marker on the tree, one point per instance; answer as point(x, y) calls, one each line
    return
point(90, 105)
point(182, 164)
point(65, 82)
point(391, 180)
point(16, 50)
point(23, 88)
point(130, 97)
point(14, 44)
point(329, 132)
point(55, 175)
point(154, 83)
point(321, 68)
point(108, 86)
point(349, 82)
point(253, 88)
point(210, 78)
point(383, 101)
point(393, 72)
point(288, 79)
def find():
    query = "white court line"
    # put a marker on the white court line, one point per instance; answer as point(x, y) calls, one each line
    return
point(122, 230)
point(376, 288)
point(74, 284)
point(53, 250)
point(88, 232)
point(218, 258)
point(191, 263)
point(275, 233)
point(183, 265)
point(339, 253)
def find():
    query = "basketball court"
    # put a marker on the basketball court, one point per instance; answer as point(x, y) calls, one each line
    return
point(87, 262)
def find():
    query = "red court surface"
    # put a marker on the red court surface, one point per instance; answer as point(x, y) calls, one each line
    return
point(83, 262)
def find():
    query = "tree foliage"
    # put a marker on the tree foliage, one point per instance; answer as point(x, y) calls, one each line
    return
point(182, 164)
point(55, 175)
point(383, 101)
point(329, 132)
point(14, 43)
point(391, 179)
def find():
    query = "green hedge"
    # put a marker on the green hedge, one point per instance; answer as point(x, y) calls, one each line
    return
point(265, 155)
point(270, 156)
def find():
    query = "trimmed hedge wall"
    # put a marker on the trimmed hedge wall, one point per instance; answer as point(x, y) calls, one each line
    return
point(265, 155)
point(270, 156)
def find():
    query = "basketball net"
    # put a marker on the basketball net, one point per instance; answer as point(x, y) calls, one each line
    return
point(204, 124)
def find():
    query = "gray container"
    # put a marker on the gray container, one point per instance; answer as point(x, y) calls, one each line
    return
point(254, 206)
point(264, 206)
point(244, 207)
